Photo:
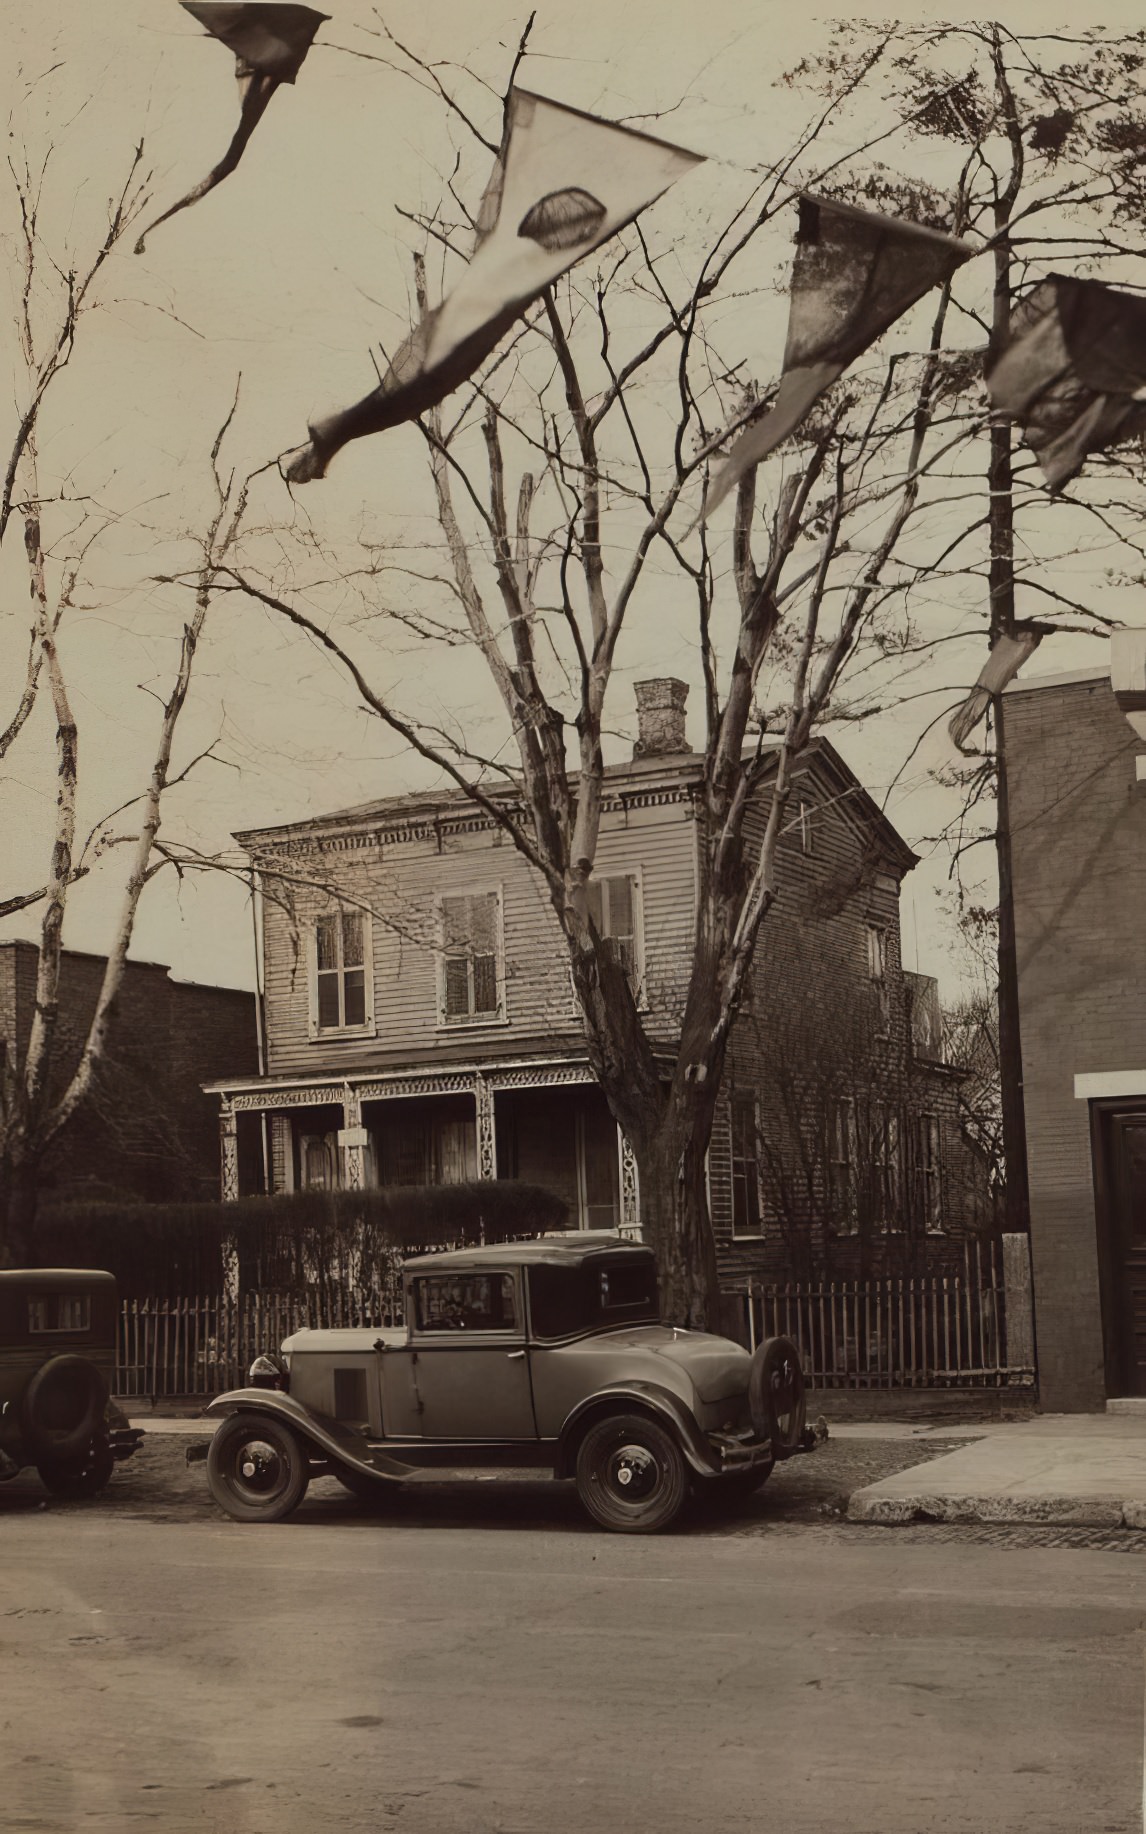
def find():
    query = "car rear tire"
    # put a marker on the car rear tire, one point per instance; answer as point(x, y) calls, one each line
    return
point(62, 1410)
point(631, 1475)
point(257, 1469)
point(776, 1395)
point(78, 1478)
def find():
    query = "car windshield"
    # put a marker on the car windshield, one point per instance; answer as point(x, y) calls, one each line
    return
point(567, 1300)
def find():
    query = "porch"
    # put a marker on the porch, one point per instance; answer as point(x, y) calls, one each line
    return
point(544, 1123)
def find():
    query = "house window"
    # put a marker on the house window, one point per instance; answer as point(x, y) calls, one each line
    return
point(807, 838)
point(471, 985)
point(746, 1208)
point(877, 974)
point(614, 910)
point(343, 997)
point(844, 1154)
point(930, 1174)
point(885, 1165)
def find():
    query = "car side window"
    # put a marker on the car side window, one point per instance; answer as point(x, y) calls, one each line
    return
point(465, 1302)
point(59, 1312)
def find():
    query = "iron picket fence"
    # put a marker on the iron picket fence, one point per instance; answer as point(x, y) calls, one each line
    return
point(926, 1331)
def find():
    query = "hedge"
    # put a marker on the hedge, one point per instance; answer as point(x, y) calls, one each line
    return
point(291, 1240)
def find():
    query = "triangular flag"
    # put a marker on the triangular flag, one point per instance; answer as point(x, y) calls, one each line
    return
point(1007, 657)
point(853, 275)
point(270, 43)
point(564, 182)
point(1072, 372)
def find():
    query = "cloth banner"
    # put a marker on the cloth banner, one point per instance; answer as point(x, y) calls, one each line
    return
point(1002, 665)
point(270, 43)
point(563, 183)
point(1073, 372)
point(854, 273)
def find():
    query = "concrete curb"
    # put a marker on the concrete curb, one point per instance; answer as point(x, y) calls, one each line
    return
point(1044, 1511)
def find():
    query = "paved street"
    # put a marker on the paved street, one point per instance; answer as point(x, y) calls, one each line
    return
point(493, 1667)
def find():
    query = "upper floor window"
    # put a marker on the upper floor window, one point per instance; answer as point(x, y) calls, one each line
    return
point(471, 985)
point(877, 974)
point(746, 1207)
point(807, 832)
point(614, 907)
point(343, 991)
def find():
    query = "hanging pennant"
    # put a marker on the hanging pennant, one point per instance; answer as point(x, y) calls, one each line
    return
point(1073, 371)
point(270, 43)
point(563, 183)
point(1007, 657)
point(853, 275)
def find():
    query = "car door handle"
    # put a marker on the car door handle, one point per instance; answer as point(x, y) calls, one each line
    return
point(515, 1356)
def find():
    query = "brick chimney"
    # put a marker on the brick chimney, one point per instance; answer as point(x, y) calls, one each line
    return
point(660, 717)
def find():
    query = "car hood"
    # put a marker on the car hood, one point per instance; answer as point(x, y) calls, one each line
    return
point(716, 1367)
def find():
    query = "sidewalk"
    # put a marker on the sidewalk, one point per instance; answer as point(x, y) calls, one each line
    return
point(1064, 1470)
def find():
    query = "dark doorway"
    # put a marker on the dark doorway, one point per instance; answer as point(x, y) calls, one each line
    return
point(1120, 1189)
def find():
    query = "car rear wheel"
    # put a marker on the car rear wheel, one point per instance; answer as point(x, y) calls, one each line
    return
point(257, 1469)
point(631, 1475)
point(77, 1478)
point(62, 1410)
point(776, 1395)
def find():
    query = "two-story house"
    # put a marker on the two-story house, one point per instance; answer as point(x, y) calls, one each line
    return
point(420, 1024)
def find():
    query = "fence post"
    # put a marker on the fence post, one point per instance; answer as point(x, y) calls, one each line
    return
point(1018, 1305)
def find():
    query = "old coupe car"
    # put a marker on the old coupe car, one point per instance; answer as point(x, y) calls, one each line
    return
point(549, 1352)
point(57, 1358)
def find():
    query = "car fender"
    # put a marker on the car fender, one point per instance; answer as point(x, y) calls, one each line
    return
point(646, 1398)
point(322, 1435)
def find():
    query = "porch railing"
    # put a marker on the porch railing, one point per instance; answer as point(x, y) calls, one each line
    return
point(930, 1331)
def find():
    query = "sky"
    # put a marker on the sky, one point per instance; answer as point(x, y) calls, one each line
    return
point(278, 285)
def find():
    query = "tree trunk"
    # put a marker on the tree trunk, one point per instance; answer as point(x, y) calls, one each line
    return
point(671, 1168)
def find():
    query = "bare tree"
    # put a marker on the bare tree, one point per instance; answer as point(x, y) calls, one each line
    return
point(564, 479)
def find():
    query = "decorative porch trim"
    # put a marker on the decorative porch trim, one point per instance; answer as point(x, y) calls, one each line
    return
point(228, 1153)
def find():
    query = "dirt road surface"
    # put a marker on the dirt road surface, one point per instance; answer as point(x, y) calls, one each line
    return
point(497, 1667)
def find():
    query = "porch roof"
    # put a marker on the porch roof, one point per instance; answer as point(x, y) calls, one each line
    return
point(372, 1084)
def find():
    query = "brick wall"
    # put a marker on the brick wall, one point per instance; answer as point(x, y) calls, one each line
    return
point(1079, 847)
point(149, 1131)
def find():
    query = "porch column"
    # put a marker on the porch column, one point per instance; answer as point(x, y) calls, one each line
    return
point(486, 1138)
point(353, 1139)
point(630, 1192)
point(228, 1152)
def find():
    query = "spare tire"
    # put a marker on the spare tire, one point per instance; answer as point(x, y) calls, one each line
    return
point(62, 1409)
point(776, 1395)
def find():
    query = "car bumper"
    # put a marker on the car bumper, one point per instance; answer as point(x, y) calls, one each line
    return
point(124, 1440)
point(739, 1452)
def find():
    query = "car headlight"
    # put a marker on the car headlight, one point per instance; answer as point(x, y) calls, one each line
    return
point(268, 1371)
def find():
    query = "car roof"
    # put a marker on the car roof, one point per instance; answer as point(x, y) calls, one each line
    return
point(561, 1249)
point(63, 1277)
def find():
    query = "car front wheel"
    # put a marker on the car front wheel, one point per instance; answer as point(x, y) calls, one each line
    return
point(631, 1475)
point(256, 1468)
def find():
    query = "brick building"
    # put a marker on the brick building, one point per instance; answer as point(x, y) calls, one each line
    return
point(425, 1029)
point(1077, 775)
point(148, 1132)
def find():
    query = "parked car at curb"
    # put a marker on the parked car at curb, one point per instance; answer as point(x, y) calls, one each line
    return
point(546, 1353)
point(57, 1358)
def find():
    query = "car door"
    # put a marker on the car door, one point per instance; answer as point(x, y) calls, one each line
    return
point(469, 1363)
